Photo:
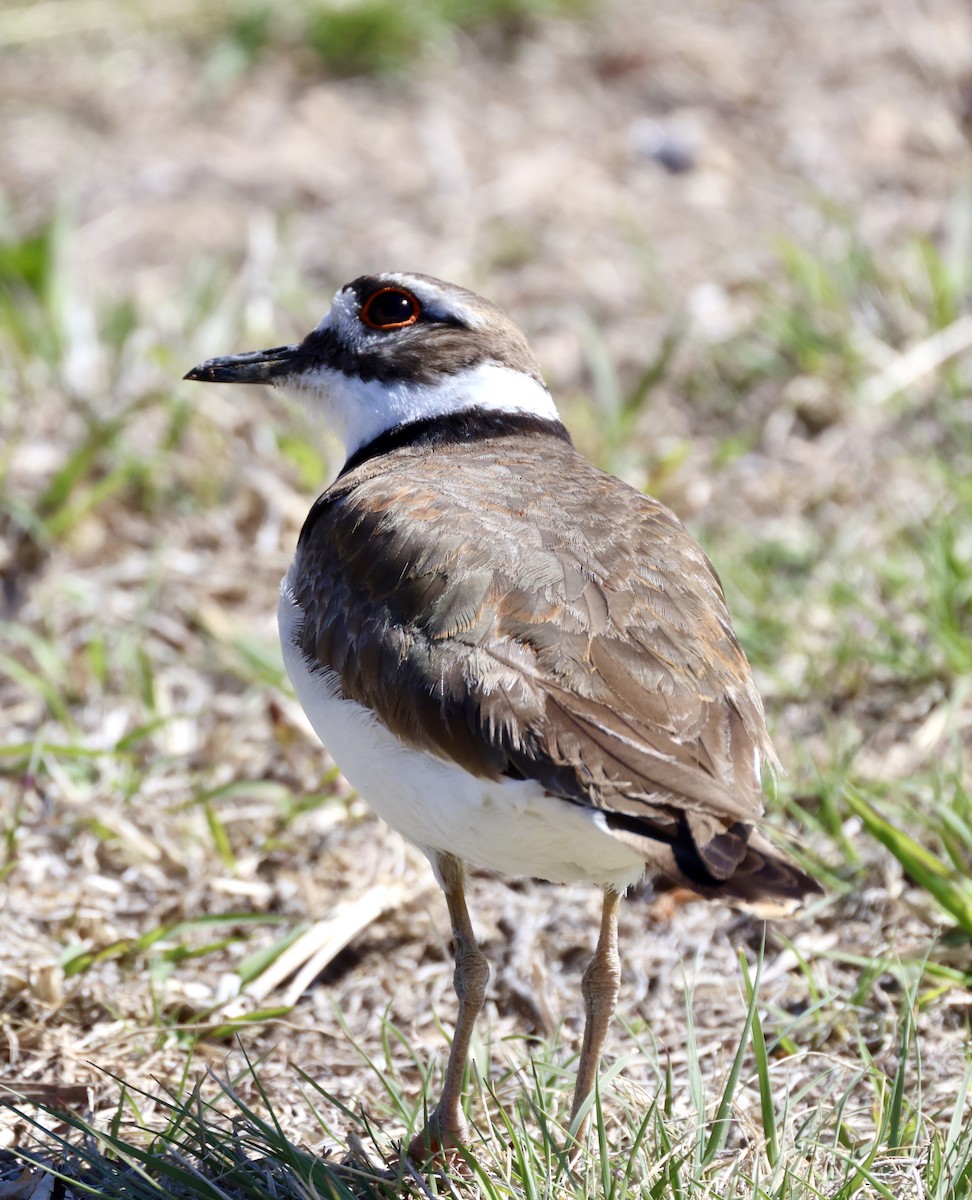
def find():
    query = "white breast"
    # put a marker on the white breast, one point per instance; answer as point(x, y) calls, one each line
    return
point(505, 825)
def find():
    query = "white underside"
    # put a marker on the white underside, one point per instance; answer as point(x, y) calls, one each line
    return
point(504, 825)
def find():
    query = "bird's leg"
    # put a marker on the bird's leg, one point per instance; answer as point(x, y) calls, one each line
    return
point(600, 986)
point(447, 1126)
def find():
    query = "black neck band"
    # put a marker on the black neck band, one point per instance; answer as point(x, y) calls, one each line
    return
point(470, 425)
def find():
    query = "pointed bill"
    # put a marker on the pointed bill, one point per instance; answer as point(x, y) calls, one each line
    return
point(258, 366)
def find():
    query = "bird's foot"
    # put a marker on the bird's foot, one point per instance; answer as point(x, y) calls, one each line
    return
point(443, 1140)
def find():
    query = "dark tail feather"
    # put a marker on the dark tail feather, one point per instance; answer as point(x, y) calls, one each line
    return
point(767, 883)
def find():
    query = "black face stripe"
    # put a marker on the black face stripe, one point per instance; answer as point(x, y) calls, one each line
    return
point(325, 348)
point(420, 353)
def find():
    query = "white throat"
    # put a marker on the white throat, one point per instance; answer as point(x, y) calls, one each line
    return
point(358, 411)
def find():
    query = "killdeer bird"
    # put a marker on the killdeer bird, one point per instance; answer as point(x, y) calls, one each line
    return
point(519, 661)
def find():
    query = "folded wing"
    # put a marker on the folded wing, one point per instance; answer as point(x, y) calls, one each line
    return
point(586, 646)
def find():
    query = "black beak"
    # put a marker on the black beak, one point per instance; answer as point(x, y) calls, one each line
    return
point(259, 366)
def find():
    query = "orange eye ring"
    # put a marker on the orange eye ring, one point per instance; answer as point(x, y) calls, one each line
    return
point(390, 308)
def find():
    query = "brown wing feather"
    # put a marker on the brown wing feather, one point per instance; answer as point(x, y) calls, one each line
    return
point(584, 644)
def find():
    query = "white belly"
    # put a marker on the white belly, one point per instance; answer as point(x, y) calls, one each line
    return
point(505, 825)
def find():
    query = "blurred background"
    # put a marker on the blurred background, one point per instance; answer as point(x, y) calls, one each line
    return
point(739, 236)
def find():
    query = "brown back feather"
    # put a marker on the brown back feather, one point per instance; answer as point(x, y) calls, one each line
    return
point(584, 644)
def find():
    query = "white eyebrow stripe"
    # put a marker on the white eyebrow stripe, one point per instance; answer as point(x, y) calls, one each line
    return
point(439, 303)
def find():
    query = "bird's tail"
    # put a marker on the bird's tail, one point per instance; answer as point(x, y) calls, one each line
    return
point(766, 883)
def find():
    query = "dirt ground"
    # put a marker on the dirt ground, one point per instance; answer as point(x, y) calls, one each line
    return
point(535, 175)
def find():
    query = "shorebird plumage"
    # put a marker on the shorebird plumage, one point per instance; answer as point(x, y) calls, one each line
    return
point(521, 662)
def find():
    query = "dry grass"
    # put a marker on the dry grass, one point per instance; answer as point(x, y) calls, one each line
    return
point(773, 341)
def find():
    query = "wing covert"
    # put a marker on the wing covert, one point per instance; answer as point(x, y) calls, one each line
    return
point(587, 647)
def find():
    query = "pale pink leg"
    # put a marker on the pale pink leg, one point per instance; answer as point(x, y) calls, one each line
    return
point(447, 1126)
point(600, 985)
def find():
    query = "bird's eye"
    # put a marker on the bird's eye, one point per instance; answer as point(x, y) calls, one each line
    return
point(390, 308)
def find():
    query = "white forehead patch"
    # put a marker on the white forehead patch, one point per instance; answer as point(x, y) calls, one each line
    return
point(343, 313)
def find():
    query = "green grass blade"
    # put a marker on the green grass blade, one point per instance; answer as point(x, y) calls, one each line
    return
point(766, 1104)
point(952, 891)
point(723, 1119)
